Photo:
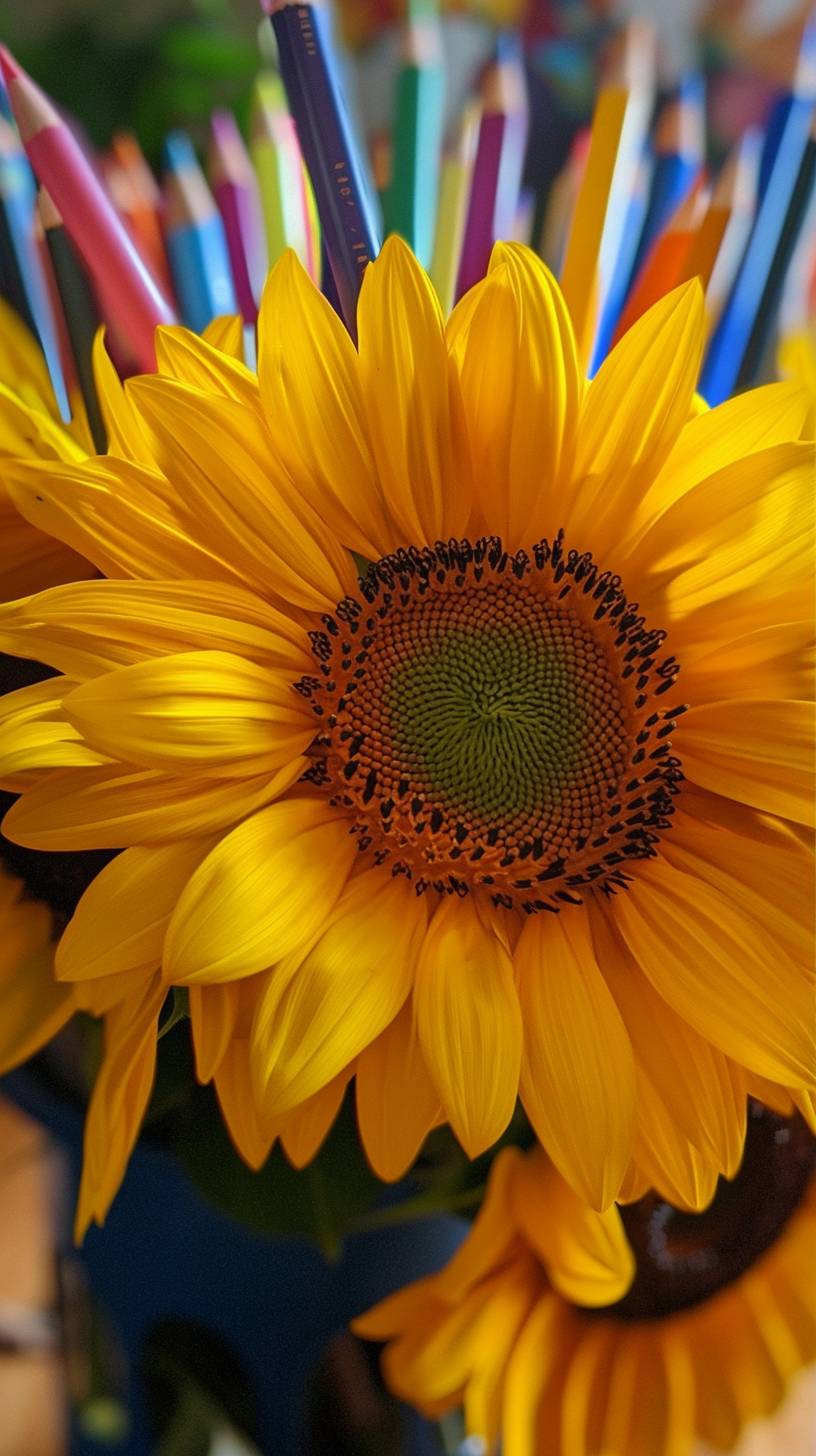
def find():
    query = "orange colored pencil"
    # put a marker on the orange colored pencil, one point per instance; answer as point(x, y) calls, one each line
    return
point(137, 195)
point(665, 266)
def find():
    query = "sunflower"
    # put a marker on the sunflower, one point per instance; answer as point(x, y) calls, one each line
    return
point(718, 1318)
point(383, 703)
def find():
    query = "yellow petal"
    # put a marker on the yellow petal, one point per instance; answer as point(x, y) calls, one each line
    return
point(30, 432)
point(633, 412)
point(234, 497)
point(770, 415)
point(492, 1237)
point(126, 438)
point(85, 506)
point(758, 751)
point(665, 1159)
point(663, 1425)
point(226, 333)
point(304, 1130)
point(746, 529)
point(22, 359)
point(469, 1023)
point(250, 1134)
point(89, 627)
point(108, 808)
point(314, 410)
point(320, 1010)
point(31, 560)
point(770, 876)
point(720, 971)
point(586, 1254)
point(214, 1012)
point(691, 1077)
point(773, 661)
point(118, 1102)
point(513, 344)
point(498, 1333)
point(528, 1372)
point(262, 893)
point(397, 1103)
point(577, 1076)
point(120, 922)
point(196, 712)
point(33, 1006)
point(404, 375)
point(35, 734)
point(183, 355)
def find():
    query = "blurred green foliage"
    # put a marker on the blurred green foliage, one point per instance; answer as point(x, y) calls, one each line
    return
point(168, 76)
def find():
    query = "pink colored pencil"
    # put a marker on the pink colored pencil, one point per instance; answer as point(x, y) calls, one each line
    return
point(126, 289)
point(236, 191)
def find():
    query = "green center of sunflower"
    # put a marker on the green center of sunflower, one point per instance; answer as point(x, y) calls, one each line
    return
point(683, 1259)
point(495, 721)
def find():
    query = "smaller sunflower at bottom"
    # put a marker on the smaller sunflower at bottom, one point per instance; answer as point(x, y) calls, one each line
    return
point(717, 1317)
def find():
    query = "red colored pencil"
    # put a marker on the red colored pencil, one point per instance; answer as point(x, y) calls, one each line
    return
point(128, 292)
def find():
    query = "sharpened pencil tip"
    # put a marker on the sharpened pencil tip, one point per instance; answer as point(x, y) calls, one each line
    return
point(11, 70)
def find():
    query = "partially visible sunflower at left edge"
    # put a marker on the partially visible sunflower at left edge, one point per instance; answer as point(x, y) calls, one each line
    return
point(717, 1317)
point(452, 715)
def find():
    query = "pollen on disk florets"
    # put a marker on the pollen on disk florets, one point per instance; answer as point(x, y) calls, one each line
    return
point(495, 722)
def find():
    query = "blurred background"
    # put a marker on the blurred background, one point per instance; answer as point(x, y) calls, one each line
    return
point(66, 1357)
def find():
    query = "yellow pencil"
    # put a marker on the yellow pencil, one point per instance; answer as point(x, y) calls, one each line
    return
point(618, 129)
point(279, 168)
point(454, 192)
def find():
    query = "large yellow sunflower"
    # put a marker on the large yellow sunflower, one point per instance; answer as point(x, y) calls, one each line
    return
point(719, 1317)
point(383, 702)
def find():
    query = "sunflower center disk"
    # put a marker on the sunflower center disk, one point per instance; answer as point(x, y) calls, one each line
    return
point(489, 722)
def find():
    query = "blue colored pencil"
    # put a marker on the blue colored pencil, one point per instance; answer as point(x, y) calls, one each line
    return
point(344, 199)
point(195, 236)
point(624, 263)
point(21, 271)
point(729, 342)
point(679, 148)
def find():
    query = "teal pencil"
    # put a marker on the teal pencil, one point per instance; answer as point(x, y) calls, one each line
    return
point(410, 202)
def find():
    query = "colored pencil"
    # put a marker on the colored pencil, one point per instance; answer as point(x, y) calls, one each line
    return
point(137, 195)
point(454, 191)
point(679, 149)
point(497, 166)
point(560, 202)
point(767, 309)
point(278, 164)
point(627, 83)
point(196, 240)
point(22, 278)
point(664, 267)
point(616, 292)
point(236, 192)
point(411, 199)
point(344, 201)
point(729, 342)
point(735, 193)
point(128, 291)
point(79, 311)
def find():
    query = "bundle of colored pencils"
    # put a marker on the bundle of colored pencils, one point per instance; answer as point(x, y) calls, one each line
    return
point(635, 210)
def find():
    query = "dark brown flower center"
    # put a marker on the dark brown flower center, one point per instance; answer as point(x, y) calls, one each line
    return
point(496, 722)
point(683, 1259)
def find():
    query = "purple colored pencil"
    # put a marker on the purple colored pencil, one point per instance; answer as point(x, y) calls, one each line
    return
point(236, 192)
point(344, 202)
point(496, 181)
